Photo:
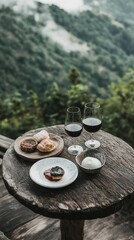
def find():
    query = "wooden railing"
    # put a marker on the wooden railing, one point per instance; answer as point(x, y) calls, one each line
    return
point(5, 142)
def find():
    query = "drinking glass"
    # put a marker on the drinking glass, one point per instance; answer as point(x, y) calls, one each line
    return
point(92, 122)
point(73, 127)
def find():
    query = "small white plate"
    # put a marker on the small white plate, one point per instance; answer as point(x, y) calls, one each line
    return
point(37, 172)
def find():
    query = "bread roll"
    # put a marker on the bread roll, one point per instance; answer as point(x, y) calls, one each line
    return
point(46, 145)
point(41, 135)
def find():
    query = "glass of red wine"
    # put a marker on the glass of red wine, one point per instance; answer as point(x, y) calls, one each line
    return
point(92, 122)
point(73, 127)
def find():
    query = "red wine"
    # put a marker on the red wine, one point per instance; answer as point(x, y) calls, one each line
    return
point(73, 129)
point(92, 124)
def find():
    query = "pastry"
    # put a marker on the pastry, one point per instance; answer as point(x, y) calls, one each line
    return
point(41, 135)
point(46, 145)
point(28, 145)
point(54, 174)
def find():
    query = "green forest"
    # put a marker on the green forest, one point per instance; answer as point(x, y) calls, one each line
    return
point(39, 80)
point(120, 9)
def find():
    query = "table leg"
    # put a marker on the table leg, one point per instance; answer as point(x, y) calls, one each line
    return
point(72, 229)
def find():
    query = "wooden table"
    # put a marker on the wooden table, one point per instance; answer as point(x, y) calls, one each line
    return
point(89, 197)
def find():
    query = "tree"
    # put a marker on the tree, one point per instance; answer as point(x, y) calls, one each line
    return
point(54, 105)
point(118, 109)
point(74, 76)
point(20, 114)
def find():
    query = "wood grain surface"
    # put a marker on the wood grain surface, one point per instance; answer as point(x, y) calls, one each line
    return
point(89, 196)
point(5, 142)
point(119, 226)
point(20, 223)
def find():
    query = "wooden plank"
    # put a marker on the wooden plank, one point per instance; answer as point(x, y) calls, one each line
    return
point(41, 228)
point(0, 167)
point(2, 236)
point(118, 226)
point(1, 154)
point(13, 214)
point(3, 190)
point(5, 142)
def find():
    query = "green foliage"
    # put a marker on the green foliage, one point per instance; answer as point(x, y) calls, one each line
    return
point(19, 114)
point(57, 99)
point(107, 40)
point(78, 95)
point(35, 88)
point(119, 9)
point(28, 60)
point(55, 104)
point(118, 110)
point(74, 76)
point(98, 29)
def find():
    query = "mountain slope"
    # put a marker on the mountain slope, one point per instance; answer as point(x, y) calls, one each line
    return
point(112, 45)
point(119, 9)
point(31, 60)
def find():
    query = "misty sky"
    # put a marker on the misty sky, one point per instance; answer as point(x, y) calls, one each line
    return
point(68, 5)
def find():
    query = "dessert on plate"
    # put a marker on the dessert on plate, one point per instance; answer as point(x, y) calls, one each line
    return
point(28, 145)
point(43, 134)
point(46, 145)
point(40, 141)
point(54, 173)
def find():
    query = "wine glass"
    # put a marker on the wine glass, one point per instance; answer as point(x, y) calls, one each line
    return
point(73, 127)
point(92, 122)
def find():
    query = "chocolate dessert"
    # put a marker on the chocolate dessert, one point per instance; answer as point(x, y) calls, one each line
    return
point(28, 145)
point(54, 174)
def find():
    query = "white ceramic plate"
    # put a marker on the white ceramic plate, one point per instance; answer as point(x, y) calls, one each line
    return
point(37, 172)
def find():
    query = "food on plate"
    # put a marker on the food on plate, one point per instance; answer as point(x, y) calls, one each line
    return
point(46, 145)
point(34, 143)
point(54, 174)
point(41, 135)
point(28, 145)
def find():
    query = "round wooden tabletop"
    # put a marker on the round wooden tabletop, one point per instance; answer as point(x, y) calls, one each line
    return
point(89, 196)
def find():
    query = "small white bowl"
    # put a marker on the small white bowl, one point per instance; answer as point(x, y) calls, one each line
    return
point(93, 154)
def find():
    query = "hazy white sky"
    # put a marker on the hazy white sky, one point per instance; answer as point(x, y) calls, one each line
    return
point(68, 5)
